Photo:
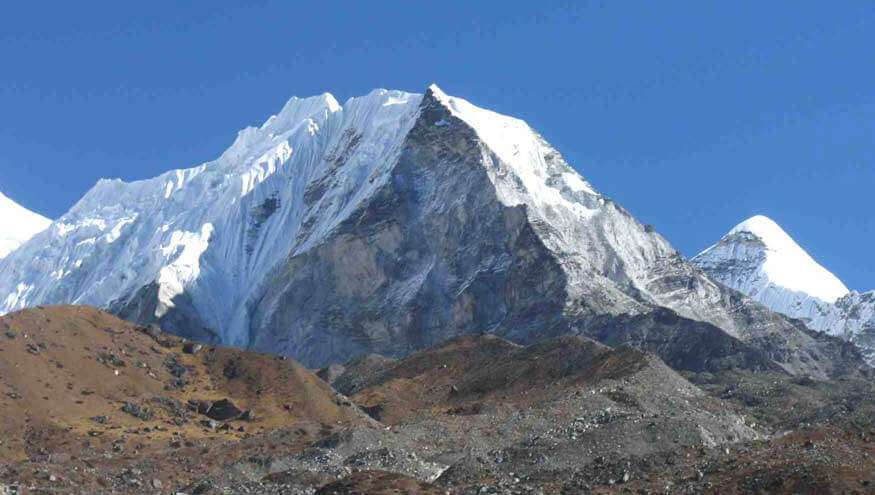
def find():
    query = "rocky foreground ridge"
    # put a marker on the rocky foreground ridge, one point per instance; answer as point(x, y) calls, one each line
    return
point(92, 404)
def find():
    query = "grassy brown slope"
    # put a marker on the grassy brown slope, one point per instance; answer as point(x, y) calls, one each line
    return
point(62, 366)
point(468, 374)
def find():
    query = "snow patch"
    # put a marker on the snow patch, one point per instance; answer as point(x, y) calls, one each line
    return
point(173, 278)
point(19, 297)
point(116, 231)
point(264, 166)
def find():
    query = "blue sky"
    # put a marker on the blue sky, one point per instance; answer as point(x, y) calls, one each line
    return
point(694, 115)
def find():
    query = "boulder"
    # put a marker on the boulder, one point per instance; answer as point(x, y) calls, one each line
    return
point(220, 410)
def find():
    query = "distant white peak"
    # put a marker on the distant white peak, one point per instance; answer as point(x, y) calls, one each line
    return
point(17, 225)
point(788, 265)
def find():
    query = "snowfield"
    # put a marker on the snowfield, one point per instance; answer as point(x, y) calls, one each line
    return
point(17, 225)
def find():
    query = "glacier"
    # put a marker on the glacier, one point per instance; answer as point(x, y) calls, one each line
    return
point(384, 224)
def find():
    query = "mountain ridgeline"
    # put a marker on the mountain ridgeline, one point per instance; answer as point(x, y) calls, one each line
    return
point(388, 224)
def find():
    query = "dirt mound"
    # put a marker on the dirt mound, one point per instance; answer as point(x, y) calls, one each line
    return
point(481, 409)
point(73, 376)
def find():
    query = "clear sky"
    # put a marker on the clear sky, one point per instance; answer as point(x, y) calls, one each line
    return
point(694, 115)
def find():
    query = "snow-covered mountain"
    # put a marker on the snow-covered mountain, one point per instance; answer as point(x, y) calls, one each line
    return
point(17, 225)
point(760, 260)
point(385, 224)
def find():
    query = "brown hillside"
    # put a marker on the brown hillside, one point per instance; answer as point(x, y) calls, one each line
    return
point(471, 373)
point(92, 404)
point(73, 376)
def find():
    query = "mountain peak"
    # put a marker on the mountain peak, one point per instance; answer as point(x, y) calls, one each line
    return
point(435, 90)
point(767, 230)
point(434, 216)
point(759, 259)
point(780, 262)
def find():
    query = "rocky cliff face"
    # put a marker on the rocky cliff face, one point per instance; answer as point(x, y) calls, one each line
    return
point(853, 318)
point(383, 225)
point(760, 260)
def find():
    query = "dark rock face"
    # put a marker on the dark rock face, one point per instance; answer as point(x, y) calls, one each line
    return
point(682, 343)
point(772, 343)
point(433, 255)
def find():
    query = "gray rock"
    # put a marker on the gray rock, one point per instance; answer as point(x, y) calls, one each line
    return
point(138, 411)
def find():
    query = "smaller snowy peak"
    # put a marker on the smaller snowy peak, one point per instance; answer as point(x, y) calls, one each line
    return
point(17, 225)
point(788, 265)
point(759, 259)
